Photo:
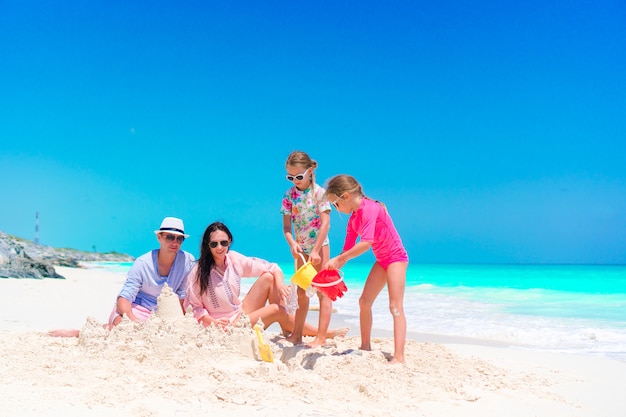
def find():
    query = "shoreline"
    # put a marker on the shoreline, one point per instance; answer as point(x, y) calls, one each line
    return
point(106, 285)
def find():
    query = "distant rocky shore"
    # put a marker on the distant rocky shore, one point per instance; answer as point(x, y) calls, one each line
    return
point(20, 258)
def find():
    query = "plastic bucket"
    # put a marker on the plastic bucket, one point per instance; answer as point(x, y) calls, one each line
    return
point(304, 275)
point(331, 283)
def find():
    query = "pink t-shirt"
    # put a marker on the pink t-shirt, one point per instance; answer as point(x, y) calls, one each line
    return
point(222, 296)
point(374, 225)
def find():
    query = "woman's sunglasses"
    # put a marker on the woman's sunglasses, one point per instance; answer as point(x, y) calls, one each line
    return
point(298, 177)
point(223, 243)
point(171, 238)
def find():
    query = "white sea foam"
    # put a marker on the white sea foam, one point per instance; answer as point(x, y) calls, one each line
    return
point(454, 316)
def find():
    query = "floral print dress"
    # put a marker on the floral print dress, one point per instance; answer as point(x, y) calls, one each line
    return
point(305, 207)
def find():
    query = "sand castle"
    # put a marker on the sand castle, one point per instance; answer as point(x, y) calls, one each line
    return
point(168, 305)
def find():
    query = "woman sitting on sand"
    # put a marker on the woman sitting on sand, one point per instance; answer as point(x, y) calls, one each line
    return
point(214, 286)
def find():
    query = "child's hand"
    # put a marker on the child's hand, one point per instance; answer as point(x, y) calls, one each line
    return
point(315, 258)
point(295, 251)
point(335, 263)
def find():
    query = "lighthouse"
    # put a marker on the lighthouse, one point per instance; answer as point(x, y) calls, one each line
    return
point(37, 227)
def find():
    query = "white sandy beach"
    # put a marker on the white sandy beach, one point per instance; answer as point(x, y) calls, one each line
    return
point(173, 367)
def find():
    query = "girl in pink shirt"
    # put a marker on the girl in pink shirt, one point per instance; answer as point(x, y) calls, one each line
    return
point(370, 221)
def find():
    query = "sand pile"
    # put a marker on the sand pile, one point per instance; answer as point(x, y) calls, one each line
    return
point(168, 304)
point(141, 366)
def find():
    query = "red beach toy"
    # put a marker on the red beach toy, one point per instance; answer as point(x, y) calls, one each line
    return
point(330, 282)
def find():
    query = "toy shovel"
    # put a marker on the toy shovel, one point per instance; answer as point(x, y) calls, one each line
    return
point(265, 352)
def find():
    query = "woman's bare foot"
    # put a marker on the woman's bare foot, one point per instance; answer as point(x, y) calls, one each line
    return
point(340, 332)
point(64, 333)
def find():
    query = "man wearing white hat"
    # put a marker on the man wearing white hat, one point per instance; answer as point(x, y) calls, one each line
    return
point(151, 271)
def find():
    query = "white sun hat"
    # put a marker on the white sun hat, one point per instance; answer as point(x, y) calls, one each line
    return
point(172, 225)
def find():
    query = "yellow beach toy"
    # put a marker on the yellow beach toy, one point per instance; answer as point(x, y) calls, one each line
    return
point(304, 275)
point(265, 352)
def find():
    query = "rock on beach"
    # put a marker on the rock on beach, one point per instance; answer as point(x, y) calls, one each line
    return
point(21, 258)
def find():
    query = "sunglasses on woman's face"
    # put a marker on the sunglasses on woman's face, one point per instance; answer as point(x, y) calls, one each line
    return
point(171, 238)
point(298, 177)
point(223, 243)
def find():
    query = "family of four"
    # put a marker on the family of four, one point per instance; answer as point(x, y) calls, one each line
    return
point(211, 285)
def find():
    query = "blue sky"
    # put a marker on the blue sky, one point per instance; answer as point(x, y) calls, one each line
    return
point(494, 131)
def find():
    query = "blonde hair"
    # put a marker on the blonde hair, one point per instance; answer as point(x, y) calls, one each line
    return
point(343, 183)
point(340, 184)
point(300, 158)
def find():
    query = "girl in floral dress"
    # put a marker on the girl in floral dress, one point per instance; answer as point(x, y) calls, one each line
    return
point(306, 221)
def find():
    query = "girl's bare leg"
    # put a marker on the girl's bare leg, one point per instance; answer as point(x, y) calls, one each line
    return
point(326, 308)
point(311, 330)
point(375, 282)
point(300, 318)
point(303, 309)
point(396, 283)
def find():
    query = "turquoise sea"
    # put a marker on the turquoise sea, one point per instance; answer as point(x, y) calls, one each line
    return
point(565, 308)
